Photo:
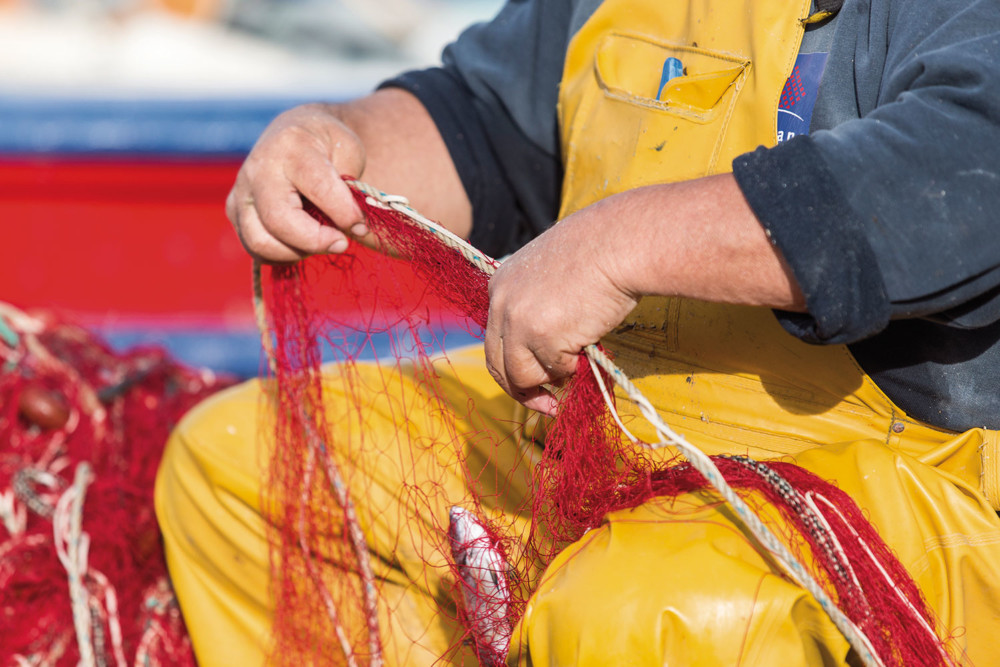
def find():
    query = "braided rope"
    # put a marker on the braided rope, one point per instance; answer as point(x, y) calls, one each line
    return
point(13, 515)
point(260, 315)
point(401, 204)
point(72, 545)
point(111, 615)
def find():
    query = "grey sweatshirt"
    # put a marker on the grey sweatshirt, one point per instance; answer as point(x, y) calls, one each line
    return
point(885, 211)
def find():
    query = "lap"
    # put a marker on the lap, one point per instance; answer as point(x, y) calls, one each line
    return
point(685, 585)
point(411, 464)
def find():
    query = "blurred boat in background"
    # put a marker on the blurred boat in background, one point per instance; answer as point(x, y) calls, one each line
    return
point(122, 126)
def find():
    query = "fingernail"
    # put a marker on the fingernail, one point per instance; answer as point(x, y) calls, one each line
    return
point(338, 246)
point(360, 229)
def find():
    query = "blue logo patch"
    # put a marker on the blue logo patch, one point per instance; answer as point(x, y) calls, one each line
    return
point(799, 95)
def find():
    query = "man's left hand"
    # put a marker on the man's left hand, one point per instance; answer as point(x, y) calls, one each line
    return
point(556, 295)
point(563, 291)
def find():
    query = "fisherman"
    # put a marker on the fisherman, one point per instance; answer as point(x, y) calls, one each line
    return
point(779, 216)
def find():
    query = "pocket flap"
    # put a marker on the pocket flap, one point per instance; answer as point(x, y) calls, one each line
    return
point(630, 67)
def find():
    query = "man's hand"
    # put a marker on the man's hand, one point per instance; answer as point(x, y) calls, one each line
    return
point(386, 138)
point(552, 298)
point(577, 281)
point(304, 151)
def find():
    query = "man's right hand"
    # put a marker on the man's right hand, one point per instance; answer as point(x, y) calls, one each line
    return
point(304, 151)
point(387, 139)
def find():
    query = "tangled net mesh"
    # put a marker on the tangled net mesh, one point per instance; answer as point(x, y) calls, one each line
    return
point(82, 428)
point(485, 563)
point(480, 507)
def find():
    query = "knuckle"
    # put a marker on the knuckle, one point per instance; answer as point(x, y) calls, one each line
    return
point(252, 238)
point(522, 378)
point(499, 277)
point(232, 211)
point(496, 374)
point(295, 136)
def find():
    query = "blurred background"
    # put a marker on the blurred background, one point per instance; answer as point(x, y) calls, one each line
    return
point(122, 126)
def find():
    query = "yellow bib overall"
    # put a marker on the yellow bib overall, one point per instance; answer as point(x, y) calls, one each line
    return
point(677, 582)
point(667, 583)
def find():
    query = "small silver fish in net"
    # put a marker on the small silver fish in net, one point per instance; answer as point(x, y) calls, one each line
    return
point(483, 571)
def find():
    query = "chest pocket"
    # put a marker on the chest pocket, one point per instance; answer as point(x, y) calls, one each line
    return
point(623, 127)
point(632, 122)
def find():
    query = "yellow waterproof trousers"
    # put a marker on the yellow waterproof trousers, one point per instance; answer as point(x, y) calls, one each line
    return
point(671, 582)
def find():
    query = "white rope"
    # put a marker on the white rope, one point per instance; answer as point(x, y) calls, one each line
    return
point(72, 546)
point(159, 603)
point(114, 623)
point(50, 657)
point(610, 403)
point(698, 459)
point(765, 537)
point(810, 500)
point(13, 514)
point(892, 584)
point(402, 205)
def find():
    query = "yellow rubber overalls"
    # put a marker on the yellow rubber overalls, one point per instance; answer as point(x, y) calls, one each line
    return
point(676, 582)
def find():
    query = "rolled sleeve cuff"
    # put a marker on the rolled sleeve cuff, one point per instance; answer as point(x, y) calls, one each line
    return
point(799, 203)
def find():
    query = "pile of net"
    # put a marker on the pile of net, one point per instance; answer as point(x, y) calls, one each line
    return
point(340, 308)
point(83, 579)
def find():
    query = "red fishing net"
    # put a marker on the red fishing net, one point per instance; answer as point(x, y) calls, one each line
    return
point(82, 429)
point(337, 308)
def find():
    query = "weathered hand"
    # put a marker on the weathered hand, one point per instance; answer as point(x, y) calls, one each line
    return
point(574, 283)
point(304, 150)
point(549, 300)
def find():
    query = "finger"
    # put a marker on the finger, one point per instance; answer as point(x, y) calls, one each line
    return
point(525, 376)
point(256, 239)
point(541, 400)
point(535, 398)
point(281, 215)
point(324, 186)
point(493, 345)
point(522, 369)
point(233, 199)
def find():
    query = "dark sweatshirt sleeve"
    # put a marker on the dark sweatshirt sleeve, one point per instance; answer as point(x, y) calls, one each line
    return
point(893, 215)
point(494, 102)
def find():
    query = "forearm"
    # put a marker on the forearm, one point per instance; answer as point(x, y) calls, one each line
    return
point(579, 280)
point(406, 155)
point(696, 239)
